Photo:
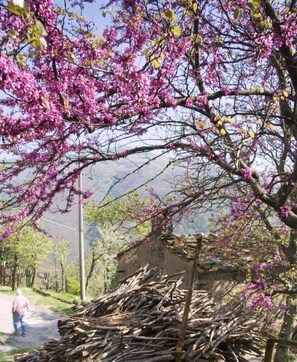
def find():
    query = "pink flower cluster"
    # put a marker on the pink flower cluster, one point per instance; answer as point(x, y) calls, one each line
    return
point(256, 298)
point(284, 211)
point(246, 173)
point(86, 94)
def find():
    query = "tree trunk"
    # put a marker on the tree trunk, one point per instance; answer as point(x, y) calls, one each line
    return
point(104, 279)
point(33, 277)
point(107, 284)
point(268, 351)
point(14, 272)
point(62, 277)
point(92, 267)
point(287, 329)
point(290, 253)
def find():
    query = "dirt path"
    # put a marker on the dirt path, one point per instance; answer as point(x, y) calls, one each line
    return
point(42, 325)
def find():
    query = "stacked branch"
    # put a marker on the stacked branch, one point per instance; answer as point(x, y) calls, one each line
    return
point(141, 320)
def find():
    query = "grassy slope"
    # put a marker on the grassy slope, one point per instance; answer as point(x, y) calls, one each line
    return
point(35, 298)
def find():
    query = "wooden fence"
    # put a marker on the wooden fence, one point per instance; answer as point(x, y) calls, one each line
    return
point(44, 280)
point(271, 341)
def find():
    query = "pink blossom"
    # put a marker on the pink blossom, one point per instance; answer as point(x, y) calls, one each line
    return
point(189, 102)
point(246, 173)
point(284, 211)
point(201, 101)
point(88, 92)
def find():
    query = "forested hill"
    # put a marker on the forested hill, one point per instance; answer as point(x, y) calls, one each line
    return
point(116, 178)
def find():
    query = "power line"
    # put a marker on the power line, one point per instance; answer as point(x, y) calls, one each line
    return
point(55, 223)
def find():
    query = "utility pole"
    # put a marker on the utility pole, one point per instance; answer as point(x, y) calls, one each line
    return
point(81, 242)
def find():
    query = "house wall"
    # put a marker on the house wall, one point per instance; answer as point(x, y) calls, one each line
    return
point(147, 253)
point(219, 282)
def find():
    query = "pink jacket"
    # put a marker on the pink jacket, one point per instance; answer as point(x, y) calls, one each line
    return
point(20, 305)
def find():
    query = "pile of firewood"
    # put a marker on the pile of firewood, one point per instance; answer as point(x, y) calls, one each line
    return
point(141, 321)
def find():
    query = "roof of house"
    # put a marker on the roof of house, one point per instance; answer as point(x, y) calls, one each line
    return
point(214, 254)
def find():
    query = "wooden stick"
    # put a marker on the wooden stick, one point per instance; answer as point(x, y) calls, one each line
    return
point(181, 338)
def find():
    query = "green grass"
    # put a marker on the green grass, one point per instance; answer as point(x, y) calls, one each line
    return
point(6, 290)
point(65, 296)
point(9, 356)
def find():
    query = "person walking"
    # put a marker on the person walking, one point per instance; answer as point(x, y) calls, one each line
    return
point(20, 306)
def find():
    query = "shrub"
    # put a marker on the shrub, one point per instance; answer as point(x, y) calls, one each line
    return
point(72, 285)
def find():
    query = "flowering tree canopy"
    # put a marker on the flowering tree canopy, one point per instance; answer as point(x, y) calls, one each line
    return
point(213, 82)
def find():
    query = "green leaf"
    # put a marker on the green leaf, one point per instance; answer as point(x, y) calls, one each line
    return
point(71, 15)
point(12, 33)
point(255, 3)
point(256, 15)
point(169, 14)
point(34, 39)
point(40, 28)
point(195, 7)
point(251, 134)
point(236, 13)
point(71, 57)
point(35, 42)
point(155, 63)
point(20, 60)
point(176, 30)
point(16, 9)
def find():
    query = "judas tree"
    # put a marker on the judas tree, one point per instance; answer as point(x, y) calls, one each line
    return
point(227, 69)
point(210, 83)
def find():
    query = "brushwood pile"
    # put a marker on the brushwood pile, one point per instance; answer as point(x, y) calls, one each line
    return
point(141, 320)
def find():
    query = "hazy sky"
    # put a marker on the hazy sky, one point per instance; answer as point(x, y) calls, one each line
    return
point(91, 12)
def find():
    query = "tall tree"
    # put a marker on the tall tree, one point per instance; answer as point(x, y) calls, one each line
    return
point(118, 222)
point(125, 214)
point(102, 260)
point(29, 248)
point(61, 252)
point(228, 67)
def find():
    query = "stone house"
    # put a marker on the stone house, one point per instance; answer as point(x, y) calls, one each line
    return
point(220, 268)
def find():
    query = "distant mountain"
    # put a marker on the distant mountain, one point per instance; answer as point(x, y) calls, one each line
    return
point(134, 172)
point(105, 177)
